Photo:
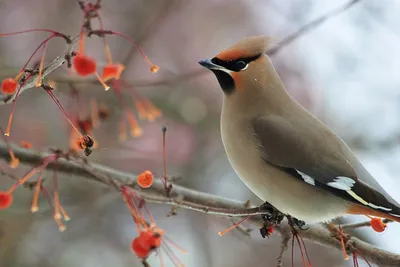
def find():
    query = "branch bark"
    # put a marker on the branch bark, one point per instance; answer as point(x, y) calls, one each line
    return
point(190, 199)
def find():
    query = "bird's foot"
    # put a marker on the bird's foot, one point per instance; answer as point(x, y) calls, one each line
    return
point(272, 217)
point(295, 223)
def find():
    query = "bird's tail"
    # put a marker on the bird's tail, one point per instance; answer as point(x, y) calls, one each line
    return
point(393, 215)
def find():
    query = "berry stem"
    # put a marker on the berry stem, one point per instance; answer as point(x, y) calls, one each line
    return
point(106, 87)
point(37, 49)
point(8, 129)
point(35, 199)
point(57, 213)
point(39, 79)
point(136, 45)
point(233, 226)
point(23, 83)
point(133, 124)
point(50, 93)
point(94, 112)
point(14, 161)
point(164, 130)
point(61, 226)
point(46, 161)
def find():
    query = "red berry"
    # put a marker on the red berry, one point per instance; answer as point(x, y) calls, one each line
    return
point(139, 250)
point(84, 65)
point(5, 200)
point(145, 179)
point(9, 86)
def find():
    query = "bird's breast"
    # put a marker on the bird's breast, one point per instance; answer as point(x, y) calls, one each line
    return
point(287, 193)
point(240, 146)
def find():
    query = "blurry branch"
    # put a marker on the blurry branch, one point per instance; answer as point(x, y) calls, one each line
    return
point(274, 50)
point(56, 63)
point(311, 26)
point(190, 199)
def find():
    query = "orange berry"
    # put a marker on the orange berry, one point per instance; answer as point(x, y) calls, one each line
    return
point(139, 250)
point(112, 71)
point(145, 179)
point(5, 200)
point(84, 65)
point(9, 86)
point(154, 68)
point(378, 225)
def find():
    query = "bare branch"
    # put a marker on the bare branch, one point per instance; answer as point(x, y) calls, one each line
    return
point(183, 197)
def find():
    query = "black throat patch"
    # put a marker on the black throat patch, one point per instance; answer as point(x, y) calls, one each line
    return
point(225, 81)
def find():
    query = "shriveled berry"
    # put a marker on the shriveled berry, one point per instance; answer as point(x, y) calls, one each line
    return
point(112, 71)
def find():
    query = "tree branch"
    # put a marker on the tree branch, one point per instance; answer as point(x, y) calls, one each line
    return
point(190, 199)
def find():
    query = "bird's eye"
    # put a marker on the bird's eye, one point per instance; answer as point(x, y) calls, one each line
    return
point(241, 65)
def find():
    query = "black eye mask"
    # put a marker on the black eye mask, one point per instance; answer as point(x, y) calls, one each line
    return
point(234, 65)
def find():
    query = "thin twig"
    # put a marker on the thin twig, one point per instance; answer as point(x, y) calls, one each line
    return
point(183, 197)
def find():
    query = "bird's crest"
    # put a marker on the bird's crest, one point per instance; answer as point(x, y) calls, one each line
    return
point(247, 48)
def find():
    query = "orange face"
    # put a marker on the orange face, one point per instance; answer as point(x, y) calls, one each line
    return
point(231, 55)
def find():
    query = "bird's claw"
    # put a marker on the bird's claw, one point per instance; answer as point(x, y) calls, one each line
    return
point(272, 217)
point(293, 222)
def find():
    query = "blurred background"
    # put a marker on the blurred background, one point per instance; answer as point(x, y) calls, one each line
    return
point(345, 71)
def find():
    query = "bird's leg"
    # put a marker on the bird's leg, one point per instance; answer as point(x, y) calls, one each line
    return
point(272, 217)
point(293, 222)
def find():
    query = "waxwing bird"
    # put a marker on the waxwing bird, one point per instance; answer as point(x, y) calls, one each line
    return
point(283, 153)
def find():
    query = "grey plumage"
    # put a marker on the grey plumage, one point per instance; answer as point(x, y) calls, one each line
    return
point(283, 153)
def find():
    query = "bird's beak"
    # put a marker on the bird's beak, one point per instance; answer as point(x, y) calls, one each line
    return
point(206, 63)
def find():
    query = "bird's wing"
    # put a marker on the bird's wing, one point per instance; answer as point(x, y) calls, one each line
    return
point(318, 157)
